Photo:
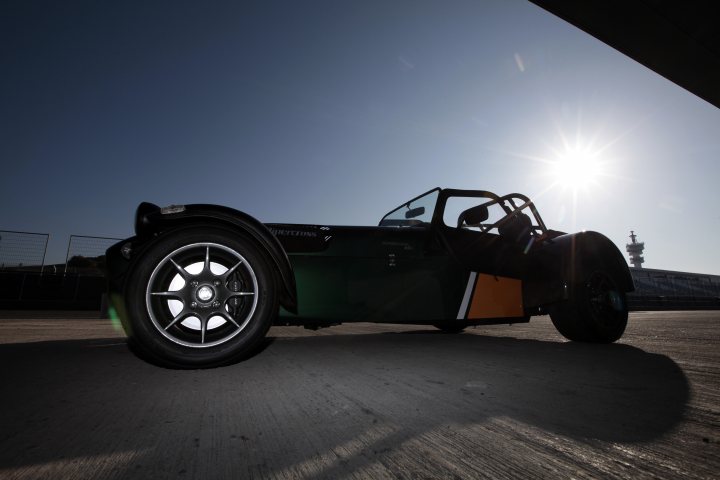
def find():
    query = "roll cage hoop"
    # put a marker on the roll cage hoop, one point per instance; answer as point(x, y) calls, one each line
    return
point(512, 204)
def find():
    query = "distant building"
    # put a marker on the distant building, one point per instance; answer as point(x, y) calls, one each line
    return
point(666, 289)
point(670, 290)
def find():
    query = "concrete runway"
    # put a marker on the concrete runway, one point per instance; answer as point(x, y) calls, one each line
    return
point(366, 401)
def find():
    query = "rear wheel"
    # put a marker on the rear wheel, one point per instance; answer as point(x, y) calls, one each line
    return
point(596, 312)
point(199, 298)
point(449, 328)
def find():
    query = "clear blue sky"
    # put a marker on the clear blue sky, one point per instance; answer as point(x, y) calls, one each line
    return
point(335, 112)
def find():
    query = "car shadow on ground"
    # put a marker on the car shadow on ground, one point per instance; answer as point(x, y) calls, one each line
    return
point(304, 396)
point(613, 392)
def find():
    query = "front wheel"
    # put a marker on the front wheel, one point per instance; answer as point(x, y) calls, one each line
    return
point(596, 311)
point(199, 298)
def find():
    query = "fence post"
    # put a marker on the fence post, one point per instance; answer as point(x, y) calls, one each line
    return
point(42, 265)
point(67, 254)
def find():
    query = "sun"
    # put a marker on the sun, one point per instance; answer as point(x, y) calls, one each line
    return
point(577, 168)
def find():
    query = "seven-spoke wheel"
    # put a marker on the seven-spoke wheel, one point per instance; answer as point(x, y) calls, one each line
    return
point(201, 295)
point(199, 298)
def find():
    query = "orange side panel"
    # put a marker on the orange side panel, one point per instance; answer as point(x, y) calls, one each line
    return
point(496, 297)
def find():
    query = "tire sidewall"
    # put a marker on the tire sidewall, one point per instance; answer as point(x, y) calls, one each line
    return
point(602, 330)
point(577, 320)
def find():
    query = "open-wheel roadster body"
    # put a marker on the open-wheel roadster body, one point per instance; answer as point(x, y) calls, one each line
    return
point(199, 285)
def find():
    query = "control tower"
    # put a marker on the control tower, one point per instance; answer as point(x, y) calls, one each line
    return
point(635, 249)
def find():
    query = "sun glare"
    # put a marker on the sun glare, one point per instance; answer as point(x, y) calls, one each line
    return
point(577, 169)
point(577, 166)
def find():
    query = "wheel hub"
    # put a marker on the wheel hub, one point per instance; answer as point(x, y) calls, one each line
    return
point(205, 293)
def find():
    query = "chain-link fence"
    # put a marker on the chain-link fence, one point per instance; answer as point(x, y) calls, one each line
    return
point(23, 250)
point(87, 254)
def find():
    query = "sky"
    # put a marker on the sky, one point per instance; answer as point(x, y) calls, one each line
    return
point(335, 112)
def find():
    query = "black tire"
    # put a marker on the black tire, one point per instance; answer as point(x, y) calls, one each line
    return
point(449, 328)
point(596, 311)
point(199, 297)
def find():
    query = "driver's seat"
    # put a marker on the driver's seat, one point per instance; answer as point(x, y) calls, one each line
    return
point(517, 229)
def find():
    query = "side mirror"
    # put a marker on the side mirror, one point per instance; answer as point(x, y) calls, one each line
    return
point(414, 212)
point(473, 216)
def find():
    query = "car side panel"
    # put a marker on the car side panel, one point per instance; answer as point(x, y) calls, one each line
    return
point(496, 297)
point(378, 274)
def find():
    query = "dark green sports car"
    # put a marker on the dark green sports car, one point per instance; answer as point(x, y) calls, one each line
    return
point(199, 285)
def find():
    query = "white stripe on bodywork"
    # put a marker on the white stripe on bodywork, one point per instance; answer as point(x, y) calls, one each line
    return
point(466, 297)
